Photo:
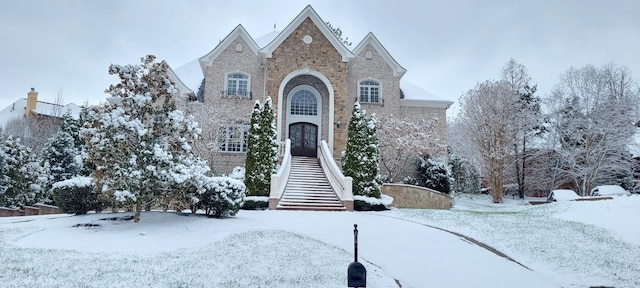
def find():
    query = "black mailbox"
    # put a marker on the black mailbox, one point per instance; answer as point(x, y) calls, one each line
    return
point(356, 275)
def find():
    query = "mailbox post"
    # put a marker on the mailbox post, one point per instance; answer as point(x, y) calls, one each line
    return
point(356, 273)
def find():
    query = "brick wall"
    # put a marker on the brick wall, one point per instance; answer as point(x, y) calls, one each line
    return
point(409, 196)
point(293, 54)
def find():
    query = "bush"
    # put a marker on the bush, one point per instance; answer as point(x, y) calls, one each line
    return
point(364, 203)
point(255, 203)
point(222, 197)
point(76, 196)
point(434, 174)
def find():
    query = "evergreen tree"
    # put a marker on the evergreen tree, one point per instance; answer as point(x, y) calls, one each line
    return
point(270, 142)
point(361, 159)
point(60, 157)
point(254, 177)
point(262, 150)
point(139, 141)
point(465, 176)
point(23, 184)
point(434, 174)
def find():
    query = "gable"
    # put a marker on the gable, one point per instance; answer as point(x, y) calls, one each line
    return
point(239, 31)
point(308, 12)
point(372, 41)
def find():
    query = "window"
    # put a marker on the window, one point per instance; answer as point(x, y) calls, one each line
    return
point(369, 91)
point(304, 102)
point(237, 85)
point(233, 138)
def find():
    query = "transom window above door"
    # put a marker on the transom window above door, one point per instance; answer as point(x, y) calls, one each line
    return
point(304, 102)
point(369, 91)
point(237, 85)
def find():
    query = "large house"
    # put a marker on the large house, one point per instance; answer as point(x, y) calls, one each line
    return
point(313, 80)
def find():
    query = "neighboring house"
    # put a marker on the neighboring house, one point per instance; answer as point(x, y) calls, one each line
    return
point(43, 119)
point(30, 106)
point(312, 78)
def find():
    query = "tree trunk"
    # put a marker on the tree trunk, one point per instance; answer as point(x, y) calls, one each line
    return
point(136, 215)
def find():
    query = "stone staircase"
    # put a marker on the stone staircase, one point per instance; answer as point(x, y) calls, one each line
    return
point(308, 188)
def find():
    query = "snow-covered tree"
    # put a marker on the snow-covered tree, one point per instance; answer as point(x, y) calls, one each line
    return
point(485, 116)
point(60, 158)
point(139, 141)
point(434, 174)
point(526, 123)
point(361, 159)
point(465, 176)
point(403, 141)
point(23, 178)
point(262, 150)
point(592, 116)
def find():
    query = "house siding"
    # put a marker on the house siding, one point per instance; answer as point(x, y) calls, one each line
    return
point(293, 54)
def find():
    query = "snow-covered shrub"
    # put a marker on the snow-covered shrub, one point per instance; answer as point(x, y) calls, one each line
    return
point(76, 195)
point(434, 174)
point(222, 196)
point(411, 181)
point(364, 203)
point(21, 177)
point(238, 173)
point(255, 203)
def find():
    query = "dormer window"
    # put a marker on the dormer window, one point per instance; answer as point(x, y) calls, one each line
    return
point(237, 85)
point(369, 91)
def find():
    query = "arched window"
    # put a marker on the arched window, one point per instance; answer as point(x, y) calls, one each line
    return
point(304, 102)
point(369, 91)
point(237, 85)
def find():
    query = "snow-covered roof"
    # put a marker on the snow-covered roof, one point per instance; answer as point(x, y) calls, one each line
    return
point(371, 39)
point(189, 75)
point(264, 40)
point(16, 110)
point(416, 96)
point(13, 111)
point(308, 12)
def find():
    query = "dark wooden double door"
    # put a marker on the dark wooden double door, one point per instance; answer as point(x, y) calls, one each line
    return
point(304, 139)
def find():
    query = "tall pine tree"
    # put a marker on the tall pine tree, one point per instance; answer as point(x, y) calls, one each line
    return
point(254, 177)
point(361, 159)
point(262, 150)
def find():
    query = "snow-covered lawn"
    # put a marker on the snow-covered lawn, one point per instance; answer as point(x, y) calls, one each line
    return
point(569, 244)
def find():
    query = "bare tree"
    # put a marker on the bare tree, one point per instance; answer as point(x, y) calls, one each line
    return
point(592, 116)
point(526, 122)
point(403, 140)
point(213, 116)
point(485, 116)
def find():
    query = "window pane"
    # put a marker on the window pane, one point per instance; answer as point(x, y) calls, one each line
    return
point(364, 94)
point(304, 102)
point(374, 95)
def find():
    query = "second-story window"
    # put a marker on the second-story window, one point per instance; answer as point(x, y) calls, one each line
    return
point(237, 85)
point(369, 91)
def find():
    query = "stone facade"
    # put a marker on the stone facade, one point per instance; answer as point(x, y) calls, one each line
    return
point(307, 53)
point(409, 196)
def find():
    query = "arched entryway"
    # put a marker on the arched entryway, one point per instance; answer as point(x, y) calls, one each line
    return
point(304, 139)
point(304, 120)
point(317, 85)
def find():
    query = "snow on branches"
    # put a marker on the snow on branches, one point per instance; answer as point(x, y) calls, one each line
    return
point(139, 141)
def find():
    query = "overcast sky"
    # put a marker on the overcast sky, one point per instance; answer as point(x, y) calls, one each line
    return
point(65, 47)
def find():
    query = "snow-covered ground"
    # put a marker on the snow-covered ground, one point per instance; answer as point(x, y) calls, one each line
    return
point(569, 244)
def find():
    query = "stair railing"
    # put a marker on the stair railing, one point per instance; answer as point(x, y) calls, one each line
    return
point(340, 183)
point(280, 179)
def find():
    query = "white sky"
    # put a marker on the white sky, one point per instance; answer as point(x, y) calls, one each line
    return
point(65, 47)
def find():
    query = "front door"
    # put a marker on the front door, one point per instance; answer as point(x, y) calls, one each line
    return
point(304, 139)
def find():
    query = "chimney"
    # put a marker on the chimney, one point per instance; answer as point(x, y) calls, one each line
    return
point(32, 100)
